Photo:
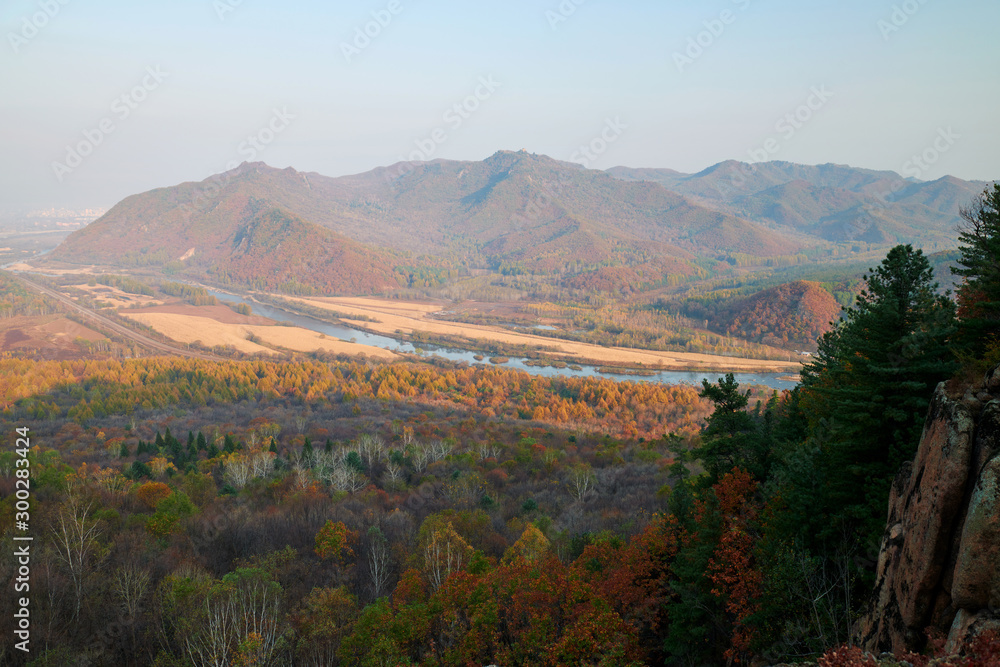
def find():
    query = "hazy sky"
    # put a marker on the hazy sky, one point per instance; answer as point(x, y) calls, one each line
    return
point(102, 98)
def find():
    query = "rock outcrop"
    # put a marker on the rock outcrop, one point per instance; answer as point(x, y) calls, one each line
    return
point(939, 563)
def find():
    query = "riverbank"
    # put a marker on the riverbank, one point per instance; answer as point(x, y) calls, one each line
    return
point(404, 319)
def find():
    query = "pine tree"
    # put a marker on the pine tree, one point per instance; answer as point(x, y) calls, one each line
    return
point(733, 436)
point(979, 294)
point(866, 394)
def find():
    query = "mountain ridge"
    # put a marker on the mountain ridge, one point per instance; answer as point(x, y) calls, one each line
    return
point(514, 211)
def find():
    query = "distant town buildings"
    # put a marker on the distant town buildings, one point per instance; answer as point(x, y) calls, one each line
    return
point(86, 214)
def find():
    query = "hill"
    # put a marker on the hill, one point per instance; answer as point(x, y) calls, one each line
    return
point(832, 202)
point(790, 315)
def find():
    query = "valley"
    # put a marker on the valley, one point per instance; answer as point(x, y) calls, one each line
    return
point(632, 269)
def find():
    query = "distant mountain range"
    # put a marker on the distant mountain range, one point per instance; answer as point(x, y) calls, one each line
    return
point(831, 202)
point(514, 212)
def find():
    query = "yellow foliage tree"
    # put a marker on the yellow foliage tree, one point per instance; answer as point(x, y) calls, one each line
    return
point(444, 552)
point(530, 546)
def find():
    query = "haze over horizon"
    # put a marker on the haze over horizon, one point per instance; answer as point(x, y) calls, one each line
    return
point(166, 94)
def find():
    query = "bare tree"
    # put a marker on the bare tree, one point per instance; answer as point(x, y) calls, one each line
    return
point(244, 604)
point(393, 472)
point(582, 482)
point(345, 478)
point(129, 586)
point(237, 471)
point(421, 456)
point(261, 463)
point(379, 561)
point(76, 538)
point(441, 449)
point(371, 448)
point(300, 476)
point(489, 450)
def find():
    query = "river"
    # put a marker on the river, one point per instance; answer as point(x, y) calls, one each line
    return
point(348, 334)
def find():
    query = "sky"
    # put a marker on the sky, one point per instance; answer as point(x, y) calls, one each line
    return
point(100, 99)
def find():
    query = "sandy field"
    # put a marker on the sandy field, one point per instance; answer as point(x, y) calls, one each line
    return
point(116, 297)
point(407, 317)
point(58, 272)
point(187, 328)
point(219, 313)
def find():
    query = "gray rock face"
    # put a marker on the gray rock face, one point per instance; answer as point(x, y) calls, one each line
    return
point(939, 564)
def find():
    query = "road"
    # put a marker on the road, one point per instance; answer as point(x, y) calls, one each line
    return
point(108, 323)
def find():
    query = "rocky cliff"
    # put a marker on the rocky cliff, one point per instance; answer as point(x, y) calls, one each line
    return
point(939, 563)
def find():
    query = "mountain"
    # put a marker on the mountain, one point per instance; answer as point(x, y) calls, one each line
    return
point(242, 240)
point(832, 202)
point(513, 212)
point(419, 223)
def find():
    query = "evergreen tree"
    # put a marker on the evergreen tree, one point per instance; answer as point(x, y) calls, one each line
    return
point(353, 460)
point(866, 394)
point(176, 449)
point(979, 294)
point(733, 436)
point(138, 471)
point(694, 635)
point(201, 442)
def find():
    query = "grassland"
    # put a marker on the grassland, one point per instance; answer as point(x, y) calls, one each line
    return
point(213, 326)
